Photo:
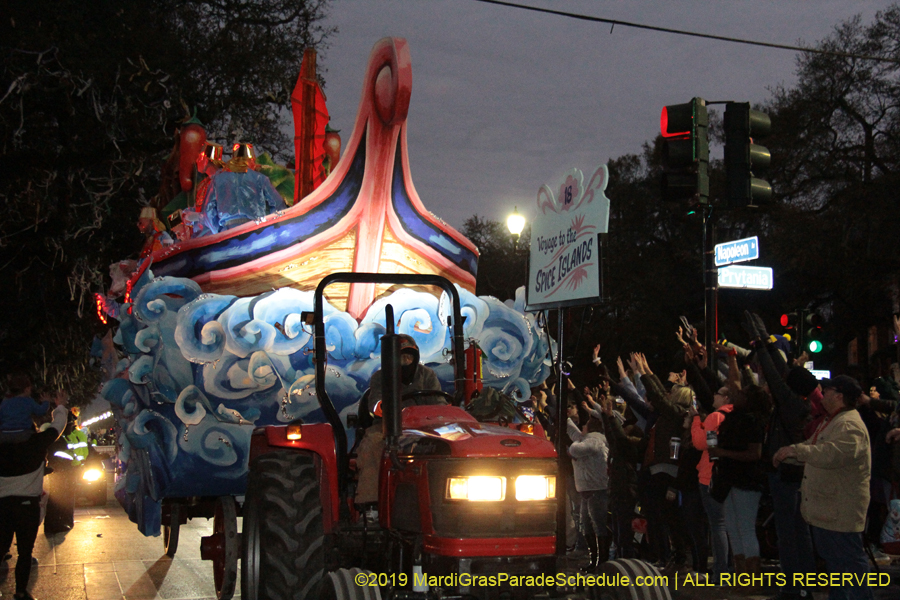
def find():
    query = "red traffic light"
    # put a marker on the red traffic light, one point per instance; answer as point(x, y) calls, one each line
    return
point(789, 320)
point(681, 119)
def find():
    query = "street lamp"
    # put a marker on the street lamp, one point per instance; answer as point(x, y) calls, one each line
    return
point(515, 223)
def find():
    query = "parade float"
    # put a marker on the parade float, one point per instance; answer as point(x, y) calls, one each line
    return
point(212, 326)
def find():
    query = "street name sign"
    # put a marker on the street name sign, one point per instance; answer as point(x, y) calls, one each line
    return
point(746, 278)
point(737, 251)
point(564, 264)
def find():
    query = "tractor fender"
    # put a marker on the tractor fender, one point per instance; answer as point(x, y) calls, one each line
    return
point(317, 439)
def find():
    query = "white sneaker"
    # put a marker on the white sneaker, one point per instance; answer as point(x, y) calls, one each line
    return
point(881, 559)
point(371, 515)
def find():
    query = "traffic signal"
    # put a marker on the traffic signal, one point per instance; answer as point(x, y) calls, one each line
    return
point(685, 152)
point(814, 333)
point(743, 158)
point(791, 323)
point(790, 320)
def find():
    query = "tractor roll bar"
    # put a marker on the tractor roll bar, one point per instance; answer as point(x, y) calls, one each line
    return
point(321, 351)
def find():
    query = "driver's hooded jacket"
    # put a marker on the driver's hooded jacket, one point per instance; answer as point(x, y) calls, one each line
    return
point(423, 379)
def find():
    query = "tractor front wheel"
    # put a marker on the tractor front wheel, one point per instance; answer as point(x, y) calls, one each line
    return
point(283, 555)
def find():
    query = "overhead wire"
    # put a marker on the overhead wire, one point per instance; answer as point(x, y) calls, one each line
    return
point(709, 36)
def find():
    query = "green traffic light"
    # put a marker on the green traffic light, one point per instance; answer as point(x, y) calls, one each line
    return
point(815, 346)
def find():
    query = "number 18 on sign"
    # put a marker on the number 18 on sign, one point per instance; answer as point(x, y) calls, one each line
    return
point(564, 261)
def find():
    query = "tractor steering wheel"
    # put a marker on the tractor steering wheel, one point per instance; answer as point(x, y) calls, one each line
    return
point(425, 393)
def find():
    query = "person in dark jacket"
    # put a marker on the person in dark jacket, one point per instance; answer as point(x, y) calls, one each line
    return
point(414, 377)
point(662, 466)
point(875, 411)
point(61, 484)
point(790, 414)
point(741, 437)
point(624, 454)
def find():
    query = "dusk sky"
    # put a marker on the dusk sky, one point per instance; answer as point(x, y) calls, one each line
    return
point(505, 100)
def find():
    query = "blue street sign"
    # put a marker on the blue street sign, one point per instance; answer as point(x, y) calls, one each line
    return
point(746, 278)
point(737, 251)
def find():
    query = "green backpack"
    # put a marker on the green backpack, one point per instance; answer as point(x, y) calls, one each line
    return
point(491, 404)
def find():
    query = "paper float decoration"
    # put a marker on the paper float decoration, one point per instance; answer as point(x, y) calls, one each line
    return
point(215, 343)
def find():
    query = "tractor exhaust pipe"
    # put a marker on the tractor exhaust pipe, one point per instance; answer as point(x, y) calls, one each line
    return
point(390, 381)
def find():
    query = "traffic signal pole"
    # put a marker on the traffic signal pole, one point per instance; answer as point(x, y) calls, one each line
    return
point(685, 177)
point(711, 285)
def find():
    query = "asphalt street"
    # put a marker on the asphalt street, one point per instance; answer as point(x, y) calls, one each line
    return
point(104, 557)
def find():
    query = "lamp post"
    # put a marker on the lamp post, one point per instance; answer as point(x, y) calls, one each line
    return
point(515, 223)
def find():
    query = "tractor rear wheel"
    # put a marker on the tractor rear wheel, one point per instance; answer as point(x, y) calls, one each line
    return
point(343, 584)
point(653, 587)
point(284, 555)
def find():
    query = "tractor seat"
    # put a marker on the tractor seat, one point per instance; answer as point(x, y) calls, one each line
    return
point(364, 420)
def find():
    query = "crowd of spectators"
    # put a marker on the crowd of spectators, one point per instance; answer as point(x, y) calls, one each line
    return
point(674, 468)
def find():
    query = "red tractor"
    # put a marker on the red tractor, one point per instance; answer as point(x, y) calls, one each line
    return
point(456, 496)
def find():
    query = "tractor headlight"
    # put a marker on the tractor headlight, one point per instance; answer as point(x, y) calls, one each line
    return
point(477, 488)
point(535, 487)
point(92, 475)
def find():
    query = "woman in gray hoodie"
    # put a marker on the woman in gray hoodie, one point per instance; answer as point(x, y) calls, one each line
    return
point(589, 451)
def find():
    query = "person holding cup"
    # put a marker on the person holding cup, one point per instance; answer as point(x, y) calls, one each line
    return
point(705, 436)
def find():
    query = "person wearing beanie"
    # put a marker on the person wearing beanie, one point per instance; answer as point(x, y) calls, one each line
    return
point(790, 414)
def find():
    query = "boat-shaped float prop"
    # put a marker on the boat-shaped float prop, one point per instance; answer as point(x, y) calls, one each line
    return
point(365, 217)
point(214, 338)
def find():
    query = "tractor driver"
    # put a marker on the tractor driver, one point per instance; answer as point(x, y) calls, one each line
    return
point(414, 376)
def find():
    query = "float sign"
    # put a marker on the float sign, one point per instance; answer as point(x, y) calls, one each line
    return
point(564, 265)
point(737, 251)
point(746, 278)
